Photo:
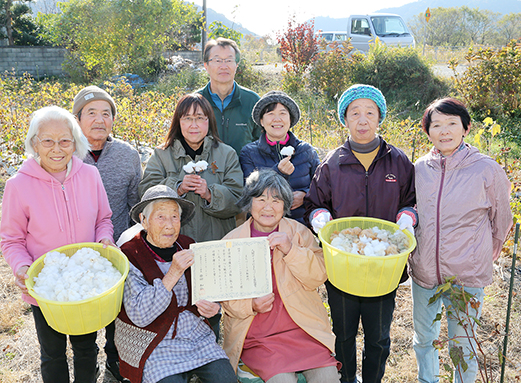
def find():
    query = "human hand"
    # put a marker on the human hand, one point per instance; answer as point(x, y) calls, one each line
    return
point(298, 199)
point(196, 184)
point(263, 304)
point(285, 166)
point(281, 241)
point(320, 219)
point(181, 261)
point(20, 277)
point(405, 222)
point(207, 309)
point(107, 242)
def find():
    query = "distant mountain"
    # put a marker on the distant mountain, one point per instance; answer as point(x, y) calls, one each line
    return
point(212, 16)
point(408, 11)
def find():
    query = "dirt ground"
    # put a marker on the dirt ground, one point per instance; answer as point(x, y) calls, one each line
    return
point(19, 356)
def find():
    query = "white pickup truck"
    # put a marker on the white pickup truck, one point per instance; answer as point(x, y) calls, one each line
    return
point(364, 29)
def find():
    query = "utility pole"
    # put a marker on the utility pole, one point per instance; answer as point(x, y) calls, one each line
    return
point(205, 24)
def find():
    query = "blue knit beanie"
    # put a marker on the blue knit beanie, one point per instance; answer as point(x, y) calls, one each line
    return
point(361, 91)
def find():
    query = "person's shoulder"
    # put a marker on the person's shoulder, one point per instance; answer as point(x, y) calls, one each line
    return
point(185, 241)
point(123, 145)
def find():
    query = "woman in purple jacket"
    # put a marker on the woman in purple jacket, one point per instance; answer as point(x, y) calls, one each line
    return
point(54, 200)
point(277, 113)
point(464, 217)
point(365, 177)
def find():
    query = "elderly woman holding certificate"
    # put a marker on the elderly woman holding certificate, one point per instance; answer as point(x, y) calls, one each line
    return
point(288, 327)
point(161, 335)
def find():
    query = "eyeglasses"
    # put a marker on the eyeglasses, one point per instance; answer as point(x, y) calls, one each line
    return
point(190, 120)
point(219, 61)
point(48, 143)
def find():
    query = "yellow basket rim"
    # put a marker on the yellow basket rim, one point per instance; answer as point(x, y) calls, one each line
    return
point(92, 245)
point(409, 235)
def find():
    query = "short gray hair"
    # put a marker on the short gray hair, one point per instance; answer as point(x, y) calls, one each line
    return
point(266, 179)
point(149, 208)
point(55, 113)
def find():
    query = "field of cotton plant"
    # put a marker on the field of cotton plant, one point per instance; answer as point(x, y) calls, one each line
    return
point(143, 120)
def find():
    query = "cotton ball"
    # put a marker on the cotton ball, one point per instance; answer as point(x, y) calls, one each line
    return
point(189, 167)
point(287, 151)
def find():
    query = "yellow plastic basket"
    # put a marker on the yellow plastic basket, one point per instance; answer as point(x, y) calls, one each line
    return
point(362, 275)
point(88, 315)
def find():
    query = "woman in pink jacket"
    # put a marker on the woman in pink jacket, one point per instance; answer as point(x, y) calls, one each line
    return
point(54, 200)
point(464, 217)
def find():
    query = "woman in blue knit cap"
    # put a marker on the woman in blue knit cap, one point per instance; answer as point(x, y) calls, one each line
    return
point(364, 177)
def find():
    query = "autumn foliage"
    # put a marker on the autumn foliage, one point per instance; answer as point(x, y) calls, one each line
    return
point(298, 46)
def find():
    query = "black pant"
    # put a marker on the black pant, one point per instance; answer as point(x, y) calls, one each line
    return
point(110, 347)
point(376, 314)
point(53, 346)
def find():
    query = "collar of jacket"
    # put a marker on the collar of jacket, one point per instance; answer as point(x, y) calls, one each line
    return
point(347, 157)
point(236, 98)
point(268, 149)
point(179, 151)
point(467, 155)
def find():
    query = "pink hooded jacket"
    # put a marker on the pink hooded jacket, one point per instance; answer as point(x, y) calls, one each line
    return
point(39, 214)
point(464, 217)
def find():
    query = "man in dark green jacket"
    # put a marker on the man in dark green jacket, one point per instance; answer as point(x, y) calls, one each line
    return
point(231, 103)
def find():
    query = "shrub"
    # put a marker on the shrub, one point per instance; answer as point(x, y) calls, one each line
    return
point(403, 76)
point(298, 46)
point(492, 83)
point(329, 74)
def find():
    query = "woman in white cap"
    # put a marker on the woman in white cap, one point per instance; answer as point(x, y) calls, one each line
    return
point(364, 177)
point(278, 149)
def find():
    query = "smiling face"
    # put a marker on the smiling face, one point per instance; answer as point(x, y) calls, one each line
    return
point(224, 72)
point(163, 224)
point(96, 122)
point(266, 210)
point(194, 127)
point(362, 117)
point(55, 158)
point(276, 123)
point(446, 132)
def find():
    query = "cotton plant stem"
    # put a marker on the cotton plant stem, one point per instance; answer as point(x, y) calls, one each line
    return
point(512, 274)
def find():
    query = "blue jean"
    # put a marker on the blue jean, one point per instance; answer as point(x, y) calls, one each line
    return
point(218, 371)
point(53, 346)
point(376, 314)
point(426, 331)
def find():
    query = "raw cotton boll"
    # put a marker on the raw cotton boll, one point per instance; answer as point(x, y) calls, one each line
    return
point(76, 278)
point(189, 167)
point(287, 151)
point(370, 242)
point(200, 166)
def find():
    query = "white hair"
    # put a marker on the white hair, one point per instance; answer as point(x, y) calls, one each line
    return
point(55, 113)
point(149, 208)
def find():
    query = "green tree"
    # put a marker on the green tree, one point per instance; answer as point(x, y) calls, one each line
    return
point(455, 27)
point(103, 37)
point(19, 24)
point(218, 29)
point(509, 28)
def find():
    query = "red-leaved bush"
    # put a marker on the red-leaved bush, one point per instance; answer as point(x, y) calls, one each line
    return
point(298, 45)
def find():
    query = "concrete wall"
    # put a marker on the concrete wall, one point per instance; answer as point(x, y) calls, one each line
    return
point(47, 61)
point(38, 61)
point(196, 56)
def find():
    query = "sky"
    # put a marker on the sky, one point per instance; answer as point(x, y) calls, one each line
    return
point(268, 16)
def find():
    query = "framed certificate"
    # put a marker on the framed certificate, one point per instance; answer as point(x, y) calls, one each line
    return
point(231, 269)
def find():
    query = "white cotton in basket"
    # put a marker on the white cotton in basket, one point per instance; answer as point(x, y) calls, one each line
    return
point(374, 242)
point(82, 276)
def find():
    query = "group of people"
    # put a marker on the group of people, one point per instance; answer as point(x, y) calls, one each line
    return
point(454, 199)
